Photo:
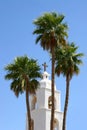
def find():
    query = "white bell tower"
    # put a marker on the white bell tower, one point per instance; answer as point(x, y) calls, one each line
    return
point(41, 106)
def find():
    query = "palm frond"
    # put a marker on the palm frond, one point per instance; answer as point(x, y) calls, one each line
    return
point(67, 60)
point(48, 27)
point(17, 72)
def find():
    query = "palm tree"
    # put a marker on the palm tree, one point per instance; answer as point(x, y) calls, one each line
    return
point(24, 73)
point(67, 63)
point(51, 31)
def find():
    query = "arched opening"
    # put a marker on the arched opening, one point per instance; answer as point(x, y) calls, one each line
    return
point(50, 102)
point(34, 103)
point(56, 125)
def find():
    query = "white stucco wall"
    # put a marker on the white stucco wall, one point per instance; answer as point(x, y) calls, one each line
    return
point(42, 114)
point(42, 119)
point(39, 117)
point(42, 98)
point(58, 116)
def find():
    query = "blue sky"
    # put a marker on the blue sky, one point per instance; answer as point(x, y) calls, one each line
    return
point(16, 39)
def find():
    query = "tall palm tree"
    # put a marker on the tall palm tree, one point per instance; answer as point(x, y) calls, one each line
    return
point(51, 31)
point(67, 63)
point(23, 73)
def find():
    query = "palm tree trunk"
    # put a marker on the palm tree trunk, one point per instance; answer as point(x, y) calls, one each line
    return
point(52, 90)
point(29, 120)
point(28, 111)
point(28, 105)
point(66, 102)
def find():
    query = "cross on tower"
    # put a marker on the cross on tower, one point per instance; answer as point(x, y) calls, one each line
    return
point(45, 65)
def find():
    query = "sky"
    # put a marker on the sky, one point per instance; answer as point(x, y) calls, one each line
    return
point(16, 39)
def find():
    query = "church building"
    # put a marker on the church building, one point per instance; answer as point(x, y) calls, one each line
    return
point(41, 104)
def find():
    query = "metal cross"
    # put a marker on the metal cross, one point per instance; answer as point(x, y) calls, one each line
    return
point(45, 65)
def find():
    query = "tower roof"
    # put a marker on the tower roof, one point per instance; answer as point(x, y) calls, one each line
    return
point(45, 75)
point(45, 81)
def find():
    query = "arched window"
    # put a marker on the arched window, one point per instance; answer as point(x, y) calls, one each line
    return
point(34, 103)
point(50, 102)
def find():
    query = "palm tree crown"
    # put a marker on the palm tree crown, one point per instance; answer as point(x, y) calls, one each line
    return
point(21, 68)
point(50, 30)
point(68, 60)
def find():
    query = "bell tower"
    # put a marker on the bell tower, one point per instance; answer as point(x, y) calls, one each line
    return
point(41, 106)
